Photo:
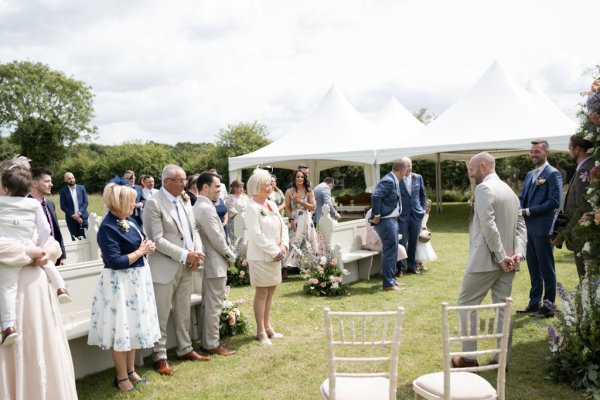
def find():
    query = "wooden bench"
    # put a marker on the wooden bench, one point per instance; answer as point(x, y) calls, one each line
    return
point(347, 240)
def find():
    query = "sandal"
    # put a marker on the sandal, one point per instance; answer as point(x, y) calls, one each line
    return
point(264, 339)
point(272, 334)
point(140, 381)
point(117, 384)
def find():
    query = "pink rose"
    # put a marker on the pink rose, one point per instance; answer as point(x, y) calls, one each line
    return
point(323, 284)
point(242, 273)
point(333, 261)
point(597, 216)
point(231, 318)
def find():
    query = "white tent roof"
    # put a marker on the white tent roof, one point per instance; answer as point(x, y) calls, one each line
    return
point(496, 114)
point(396, 120)
point(335, 134)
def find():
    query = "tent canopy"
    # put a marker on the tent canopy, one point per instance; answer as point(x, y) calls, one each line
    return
point(496, 114)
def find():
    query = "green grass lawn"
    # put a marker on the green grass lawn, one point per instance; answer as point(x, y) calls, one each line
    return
point(295, 366)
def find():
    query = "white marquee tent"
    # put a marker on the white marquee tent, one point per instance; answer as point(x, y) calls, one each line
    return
point(496, 115)
point(334, 135)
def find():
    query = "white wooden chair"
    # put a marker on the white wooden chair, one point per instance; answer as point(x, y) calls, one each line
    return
point(463, 383)
point(368, 339)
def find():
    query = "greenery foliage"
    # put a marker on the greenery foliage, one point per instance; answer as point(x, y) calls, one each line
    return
point(231, 321)
point(321, 271)
point(575, 341)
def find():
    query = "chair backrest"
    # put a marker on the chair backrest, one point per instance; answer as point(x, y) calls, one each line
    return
point(484, 325)
point(363, 344)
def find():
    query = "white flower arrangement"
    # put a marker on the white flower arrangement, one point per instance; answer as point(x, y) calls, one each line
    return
point(123, 225)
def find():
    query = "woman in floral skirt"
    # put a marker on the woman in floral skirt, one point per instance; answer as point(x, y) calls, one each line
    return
point(124, 316)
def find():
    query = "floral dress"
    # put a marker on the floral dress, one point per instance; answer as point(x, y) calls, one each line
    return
point(123, 313)
point(304, 239)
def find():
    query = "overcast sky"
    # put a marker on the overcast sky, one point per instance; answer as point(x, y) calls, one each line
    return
point(180, 70)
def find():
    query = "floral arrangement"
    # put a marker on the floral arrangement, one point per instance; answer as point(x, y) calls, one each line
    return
point(231, 321)
point(123, 225)
point(575, 337)
point(321, 271)
point(238, 274)
point(540, 181)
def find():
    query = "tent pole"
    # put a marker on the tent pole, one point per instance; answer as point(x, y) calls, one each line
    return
point(438, 182)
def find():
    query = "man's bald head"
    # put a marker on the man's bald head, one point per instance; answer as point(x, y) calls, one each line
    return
point(481, 165)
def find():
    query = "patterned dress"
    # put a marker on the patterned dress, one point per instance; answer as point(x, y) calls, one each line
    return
point(124, 315)
point(304, 239)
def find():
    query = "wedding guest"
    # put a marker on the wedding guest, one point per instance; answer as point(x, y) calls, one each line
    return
point(140, 200)
point(386, 205)
point(234, 200)
point(299, 206)
point(540, 200)
point(425, 252)
point(498, 240)
point(267, 245)
point(277, 195)
point(414, 199)
point(323, 196)
point(39, 365)
point(148, 189)
point(123, 313)
point(563, 173)
point(169, 222)
point(221, 209)
point(74, 203)
point(41, 186)
point(373, 241)
point(576, 204)
point(219, 257)
point(191, 189)
point(301, 167)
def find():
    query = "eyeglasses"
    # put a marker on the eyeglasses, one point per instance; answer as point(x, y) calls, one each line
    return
point(130, 178)
point(178, 180)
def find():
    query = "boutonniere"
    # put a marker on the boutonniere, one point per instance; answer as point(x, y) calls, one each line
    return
point(540, 181)
point(263, 212)
point(584, 176)
point(185, 198)
point(123, 225)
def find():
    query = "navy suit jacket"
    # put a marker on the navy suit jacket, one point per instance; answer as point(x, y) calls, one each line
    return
point(386, 196)
point(137, 212)
point(115, 243)
point(415, 202)
point(66, 203)
point(542, 200)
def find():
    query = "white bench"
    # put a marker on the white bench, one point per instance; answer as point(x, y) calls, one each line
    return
point(347, 240)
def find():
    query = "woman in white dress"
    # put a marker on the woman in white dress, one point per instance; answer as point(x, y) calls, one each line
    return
point(425, 251)
point(123, 314)
point(267, 245)
point(236, 200)
point(299, 206)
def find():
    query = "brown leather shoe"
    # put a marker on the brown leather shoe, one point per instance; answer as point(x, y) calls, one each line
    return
point(393, 288)
point(221, 350)
point(193, 356)
point(162, 367)
point(461, 362)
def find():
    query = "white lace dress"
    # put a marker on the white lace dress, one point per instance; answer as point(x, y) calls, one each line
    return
point(425, 251)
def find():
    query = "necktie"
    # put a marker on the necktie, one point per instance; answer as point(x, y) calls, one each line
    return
point(48, 216)
point(407, 183)
point(187, 237)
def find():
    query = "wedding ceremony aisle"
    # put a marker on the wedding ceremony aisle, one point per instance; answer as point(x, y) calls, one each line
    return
point(295, 366)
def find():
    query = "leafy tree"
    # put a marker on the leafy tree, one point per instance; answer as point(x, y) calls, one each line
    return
point(236, 140)
point(36, 101)
point(424, 115)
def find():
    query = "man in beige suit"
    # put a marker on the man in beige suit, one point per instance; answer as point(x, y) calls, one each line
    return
point(169, 222)
point(498, 241)
point(218, 257)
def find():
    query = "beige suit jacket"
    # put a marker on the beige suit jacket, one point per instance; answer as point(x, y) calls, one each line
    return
point(217, 251)
point(162, 227)
point(262, 232)
point(497, 229)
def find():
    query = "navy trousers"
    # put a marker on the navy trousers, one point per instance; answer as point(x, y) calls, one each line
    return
point(540, 262)
point(387, 230)
point(410, 229)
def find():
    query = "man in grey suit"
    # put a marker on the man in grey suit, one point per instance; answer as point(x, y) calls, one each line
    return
point(169, 222)
point(218, 257)
point(323, 196)
point(498, 241)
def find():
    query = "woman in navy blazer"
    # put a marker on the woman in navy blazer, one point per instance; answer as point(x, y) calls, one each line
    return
point(124, 315)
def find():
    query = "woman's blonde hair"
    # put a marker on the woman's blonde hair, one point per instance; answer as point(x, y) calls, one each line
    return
point(118, 198)
point(257, 180)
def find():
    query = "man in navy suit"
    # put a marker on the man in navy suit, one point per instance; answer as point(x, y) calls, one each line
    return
point(140, 200)
point(386, 208)
point(41, 186)
point(414, 201)
point(74, 203)
point(540, 200)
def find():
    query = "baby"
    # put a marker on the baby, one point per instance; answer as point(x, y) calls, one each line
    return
point(22, 220)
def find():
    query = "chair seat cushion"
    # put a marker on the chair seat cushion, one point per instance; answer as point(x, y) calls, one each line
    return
point(358, 388)
point(463, 386)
